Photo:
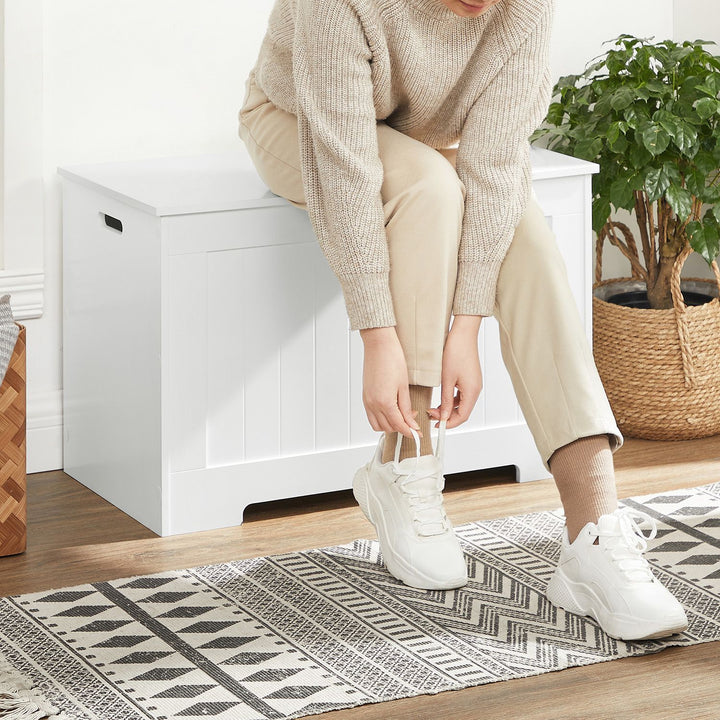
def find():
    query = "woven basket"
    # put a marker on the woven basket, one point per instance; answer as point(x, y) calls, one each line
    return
point(660, 368)
point(13, 518)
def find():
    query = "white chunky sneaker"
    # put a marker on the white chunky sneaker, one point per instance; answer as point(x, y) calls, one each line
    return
point(603, 574)
point(403, 500)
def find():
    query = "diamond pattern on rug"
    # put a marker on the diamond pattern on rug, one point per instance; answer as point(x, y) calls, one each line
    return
point(307, 632)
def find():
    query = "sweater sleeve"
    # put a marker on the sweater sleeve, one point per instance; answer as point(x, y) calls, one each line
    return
point(341, 168)
point(493, 161)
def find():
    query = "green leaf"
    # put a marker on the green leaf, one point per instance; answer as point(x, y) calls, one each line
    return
point(705, 162)
point(600, 212)
point(621, 194)
point(613, 132)
point(639, 155)
point(657, 182)
point(679, 53)
point(705, 237)
point(636, 115)
point(710, 86)
point(695, 180)
point(588, 148)
point(655, 138)
point(711, 195)
point(603, 105)
point(585, 95)
point(616, 61)
point(685, 138)
point(680, 200)
point(620, 145)
point(667, 121)
point(556, 112)
point(659, 87)
point(566, 81)
point(706, 107)
point(623, 97)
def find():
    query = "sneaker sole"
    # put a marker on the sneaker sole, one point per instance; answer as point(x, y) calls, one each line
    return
point(577, 598)
point(395, 564)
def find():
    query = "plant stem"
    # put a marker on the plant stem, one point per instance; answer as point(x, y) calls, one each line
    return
point(652, 267)
point(643, 225)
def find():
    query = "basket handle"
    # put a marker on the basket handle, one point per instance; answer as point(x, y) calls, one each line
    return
point(688, 358)
point(679, 305)
point(675, 291)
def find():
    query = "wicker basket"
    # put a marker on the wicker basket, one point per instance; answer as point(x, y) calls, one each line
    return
point(13, 518)
point(661, 368)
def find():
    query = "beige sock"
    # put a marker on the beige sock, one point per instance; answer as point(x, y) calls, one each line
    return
point(585, 477)
point(420, 399)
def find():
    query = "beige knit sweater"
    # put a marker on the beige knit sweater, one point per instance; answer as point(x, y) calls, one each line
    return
point(341, 65)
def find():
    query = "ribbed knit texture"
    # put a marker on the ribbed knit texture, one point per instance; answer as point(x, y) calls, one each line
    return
point(342, 65)
point(585, 477)
point(420, 399)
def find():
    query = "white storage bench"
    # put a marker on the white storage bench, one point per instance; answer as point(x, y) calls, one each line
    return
point(207, 357)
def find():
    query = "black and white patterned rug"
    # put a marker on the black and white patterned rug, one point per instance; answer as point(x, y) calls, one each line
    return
point(307, 632)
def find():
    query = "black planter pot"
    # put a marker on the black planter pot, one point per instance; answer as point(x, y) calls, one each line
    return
point(633, 293)
point(639, 298)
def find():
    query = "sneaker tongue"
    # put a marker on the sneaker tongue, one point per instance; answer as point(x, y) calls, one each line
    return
point(421, 463)
point(609, 523)
point(426, 471)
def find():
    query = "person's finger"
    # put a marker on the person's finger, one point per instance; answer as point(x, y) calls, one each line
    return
point(446, 399)
point(468, 401)
point(372, 419)
point(398, 423)
point(385, 423)
point(406, 408)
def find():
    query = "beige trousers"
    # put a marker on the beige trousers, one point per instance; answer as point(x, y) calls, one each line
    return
point(542, 340)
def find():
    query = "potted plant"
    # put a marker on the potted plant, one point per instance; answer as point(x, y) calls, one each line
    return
point(649, 115)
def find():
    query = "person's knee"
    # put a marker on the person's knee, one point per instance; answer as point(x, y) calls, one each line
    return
point(438, 183)
point(433, 195)
point(415, 172)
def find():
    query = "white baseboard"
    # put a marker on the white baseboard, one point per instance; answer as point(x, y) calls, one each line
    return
point(44, 431)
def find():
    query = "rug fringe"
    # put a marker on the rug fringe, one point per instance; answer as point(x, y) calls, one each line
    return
point(21, 700)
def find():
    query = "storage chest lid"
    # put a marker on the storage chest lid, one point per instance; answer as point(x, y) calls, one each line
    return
point(228, 181)
point(178, 185)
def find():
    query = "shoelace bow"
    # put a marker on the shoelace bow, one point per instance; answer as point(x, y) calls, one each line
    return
point(627, 546)
point(425, 500)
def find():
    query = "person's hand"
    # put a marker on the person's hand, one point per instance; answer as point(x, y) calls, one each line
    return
point(386, 394)
point(461, 370)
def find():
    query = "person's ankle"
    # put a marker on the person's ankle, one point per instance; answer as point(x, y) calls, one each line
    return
point(575, 526)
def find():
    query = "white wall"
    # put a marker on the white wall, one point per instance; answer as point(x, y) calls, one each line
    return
point(142, 78)
point(697, 20)
point(580, 28)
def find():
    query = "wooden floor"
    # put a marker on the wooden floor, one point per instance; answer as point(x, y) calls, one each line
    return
point(74, 536)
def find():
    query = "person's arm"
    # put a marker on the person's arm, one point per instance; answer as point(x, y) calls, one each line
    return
point(342, 177)
point(493, 161)
point(341, 167)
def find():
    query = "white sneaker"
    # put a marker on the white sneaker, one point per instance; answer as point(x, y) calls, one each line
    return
point(603, 574)
point(403, 500)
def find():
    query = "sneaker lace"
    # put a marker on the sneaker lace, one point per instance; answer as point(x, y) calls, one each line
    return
point(423, 489)
point(627, 546)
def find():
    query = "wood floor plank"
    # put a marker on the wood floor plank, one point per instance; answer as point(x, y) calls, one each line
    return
point(74, 536)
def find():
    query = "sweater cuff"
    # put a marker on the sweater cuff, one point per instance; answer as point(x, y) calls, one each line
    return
point(368, 300)
point(476, 287)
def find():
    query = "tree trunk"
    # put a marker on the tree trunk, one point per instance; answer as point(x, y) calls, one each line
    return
point(659, 294)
